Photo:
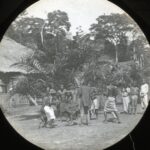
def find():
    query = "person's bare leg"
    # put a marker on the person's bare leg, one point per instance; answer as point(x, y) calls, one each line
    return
point(135, 107)
point(86, 119)
point(81, 116)
point(96, 113)
point(116, 113)
point(105, 117)
point(90, 114)
point(129, 108)
point(71, 119)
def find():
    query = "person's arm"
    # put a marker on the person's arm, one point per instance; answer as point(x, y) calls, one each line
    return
point(147, 88)
point(78, 92)
point(141, 91)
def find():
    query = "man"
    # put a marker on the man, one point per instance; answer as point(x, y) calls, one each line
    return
point(144, 94)
point(62, 91)
point(133, 99)
point(85, 102)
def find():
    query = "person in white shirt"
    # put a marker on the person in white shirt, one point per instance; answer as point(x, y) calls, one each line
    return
point(49, 111)
point(144, 94)
point(125, 100)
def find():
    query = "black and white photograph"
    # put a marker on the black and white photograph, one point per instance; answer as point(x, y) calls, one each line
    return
point(74, 75)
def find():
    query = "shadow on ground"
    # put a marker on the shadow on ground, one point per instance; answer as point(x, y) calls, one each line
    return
point(29, 117)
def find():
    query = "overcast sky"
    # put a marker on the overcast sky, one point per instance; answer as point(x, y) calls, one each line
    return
point(80, 12)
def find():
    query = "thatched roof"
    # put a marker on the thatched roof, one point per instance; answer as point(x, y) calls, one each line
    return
point(10, 53)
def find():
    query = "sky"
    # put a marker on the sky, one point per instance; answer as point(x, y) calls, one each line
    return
point(80, 12)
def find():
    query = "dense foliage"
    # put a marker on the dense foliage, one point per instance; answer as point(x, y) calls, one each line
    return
point(96, 57)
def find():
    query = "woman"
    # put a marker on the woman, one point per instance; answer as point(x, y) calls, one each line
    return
point(126, 100)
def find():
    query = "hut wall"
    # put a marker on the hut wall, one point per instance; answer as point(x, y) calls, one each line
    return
point(18, 100)
point(4, 101)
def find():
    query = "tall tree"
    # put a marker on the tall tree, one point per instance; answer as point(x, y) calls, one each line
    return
point(112, 28)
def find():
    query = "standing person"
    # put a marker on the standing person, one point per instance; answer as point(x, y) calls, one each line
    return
point(134, 99)
point(126, 100)
point(62, 91)
point(144, 94)
point(73, 91)
point(84, 93)
point(94, 107)
point(110, 106)
point(63, 102)
point(111, 87)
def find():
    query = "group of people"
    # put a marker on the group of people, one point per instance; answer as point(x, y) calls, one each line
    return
point(84, 102)
point(60, 104)
point(132, 94)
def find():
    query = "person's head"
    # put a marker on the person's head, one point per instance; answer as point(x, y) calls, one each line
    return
point(88, 84)
point(94, 97)
point(70, 96)
point(71, 86)
point(48, 89)
point(134, 84)
point(63, 97)
point(123, 89)
point(143, 81)
point(62, 86)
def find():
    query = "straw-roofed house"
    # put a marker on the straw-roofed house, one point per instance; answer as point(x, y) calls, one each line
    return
point(10, 52)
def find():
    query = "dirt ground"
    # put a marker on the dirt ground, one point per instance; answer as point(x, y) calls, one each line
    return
point(96, 136)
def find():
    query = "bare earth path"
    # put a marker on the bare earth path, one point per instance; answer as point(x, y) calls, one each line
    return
point(96, 136)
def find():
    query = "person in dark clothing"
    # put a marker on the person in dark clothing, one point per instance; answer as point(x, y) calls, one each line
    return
point(85, 102)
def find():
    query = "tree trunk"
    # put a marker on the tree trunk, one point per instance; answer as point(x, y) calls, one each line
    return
point(32, 100)
point(116, 55)
point(42, 36)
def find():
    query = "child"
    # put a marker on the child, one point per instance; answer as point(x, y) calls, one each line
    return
point(94, 107)
point(110, 106)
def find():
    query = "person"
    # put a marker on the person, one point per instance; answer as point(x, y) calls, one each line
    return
point(63, 101)
point(47, 112)
point(55, 104)
point(63, 106)
point(109, 88)
point(73, 90)
point(126, 100)
point(84, 92)
point(144, 94)
point(71, 108)
point(134, 99)
point(110, 106)
point(62, 91)
point(94, 107)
